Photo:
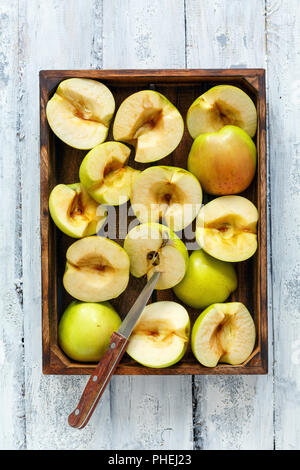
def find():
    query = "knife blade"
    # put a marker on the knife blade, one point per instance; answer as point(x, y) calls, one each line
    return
point(107, 365)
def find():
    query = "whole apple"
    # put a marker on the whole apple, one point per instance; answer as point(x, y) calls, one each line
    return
point(206, 281)
point(224, 162)
point(85, 329)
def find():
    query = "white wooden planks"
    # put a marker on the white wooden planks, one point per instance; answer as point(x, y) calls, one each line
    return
point(230, 412)
point(147, 412)
point(283, 45)
point(12, 419)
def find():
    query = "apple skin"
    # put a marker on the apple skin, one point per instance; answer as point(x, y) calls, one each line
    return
point(85, 329)
point(224, 162)
point(206, 281)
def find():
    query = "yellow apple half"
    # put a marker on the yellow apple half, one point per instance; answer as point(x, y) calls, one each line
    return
point(154, 247)
point(74, 212)
point(224, 162)
point(97, 269)
point(150, 122)
point(80, 111)
point(166, 192)
point(223, 333)
point(227, 228)
point(161, 336)
point(220, 106)
point(105, 175)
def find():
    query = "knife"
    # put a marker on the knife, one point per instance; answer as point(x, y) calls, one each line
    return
point(107, 365)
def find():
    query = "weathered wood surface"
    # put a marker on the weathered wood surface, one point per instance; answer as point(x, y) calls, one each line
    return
point(145, 412)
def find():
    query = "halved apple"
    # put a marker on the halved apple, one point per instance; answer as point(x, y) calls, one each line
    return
point(97, 269)
point(154, 247)
point(105, 175)
point(150, 122)
point(227, 228)
point(223, 333)
point(80, 111)
point(220, 106)
point(74, 212)
point(161, 336)
point(167, 192)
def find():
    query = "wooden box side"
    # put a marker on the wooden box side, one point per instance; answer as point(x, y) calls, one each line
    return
point(54, 360)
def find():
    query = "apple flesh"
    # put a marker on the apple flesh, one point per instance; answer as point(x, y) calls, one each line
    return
point(220, 106)
point(223, 333)
point(80, 111)
point(74, 212)
point(154, 247)
point(169, 193)
point(151, 123)
point(161, 336)
point(227, 228)
point(85, 329)
point(105, 175)
point(97, 269)
point(206, 281)
point(224, 162)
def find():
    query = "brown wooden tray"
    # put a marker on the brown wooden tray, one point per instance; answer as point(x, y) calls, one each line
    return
point(60, 164)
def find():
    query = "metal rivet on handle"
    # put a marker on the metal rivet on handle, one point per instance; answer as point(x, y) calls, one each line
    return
point(77, 412)
point(95, 378)
point(113, 345)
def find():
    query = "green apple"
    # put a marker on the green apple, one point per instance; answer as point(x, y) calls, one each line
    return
point(206, 281)
point(150, 122)
point(104, 173)
point(97, 269)
point(224, 161)
point(74, 212)
point(220, 106)
point(85, 329)
point(166, 192)
point(154, 247)
point(226, 228)
point(223, 333)
point(80, 111)
point(161, 335)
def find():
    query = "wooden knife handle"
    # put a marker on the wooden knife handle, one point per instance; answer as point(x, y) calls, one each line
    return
point(98, 381)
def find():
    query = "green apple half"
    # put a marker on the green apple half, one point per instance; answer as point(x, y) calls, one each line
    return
point(223, 333)
point(224, 162)
point(85, 329)
point(74, 212)
point(154, 247)
point(150, 122)
point(226, 228)
point(206, 281)
point(166, 192)
point(104, 173)
point(97, 269)
point(220, 106)
point(80, 111)
point(161, 336)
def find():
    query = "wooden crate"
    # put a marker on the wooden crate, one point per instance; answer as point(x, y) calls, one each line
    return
point(60, 164)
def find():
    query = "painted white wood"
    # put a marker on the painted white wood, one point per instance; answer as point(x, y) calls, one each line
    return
point(230, 412)
point(283, 45)
point(53, 35)
point(147, 412)
point(12, 422)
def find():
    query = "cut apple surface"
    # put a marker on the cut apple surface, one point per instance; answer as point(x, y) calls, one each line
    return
point(220, 106)
point(161, 336)
point(223, 333)
point(97, 269)
point(80, 111)
point(154, 247)
point(227, 228)
point(169, 193)
point(105, 175)
point(224, 162)
point(74, 212)
point(207, 281)
point(150, 122)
